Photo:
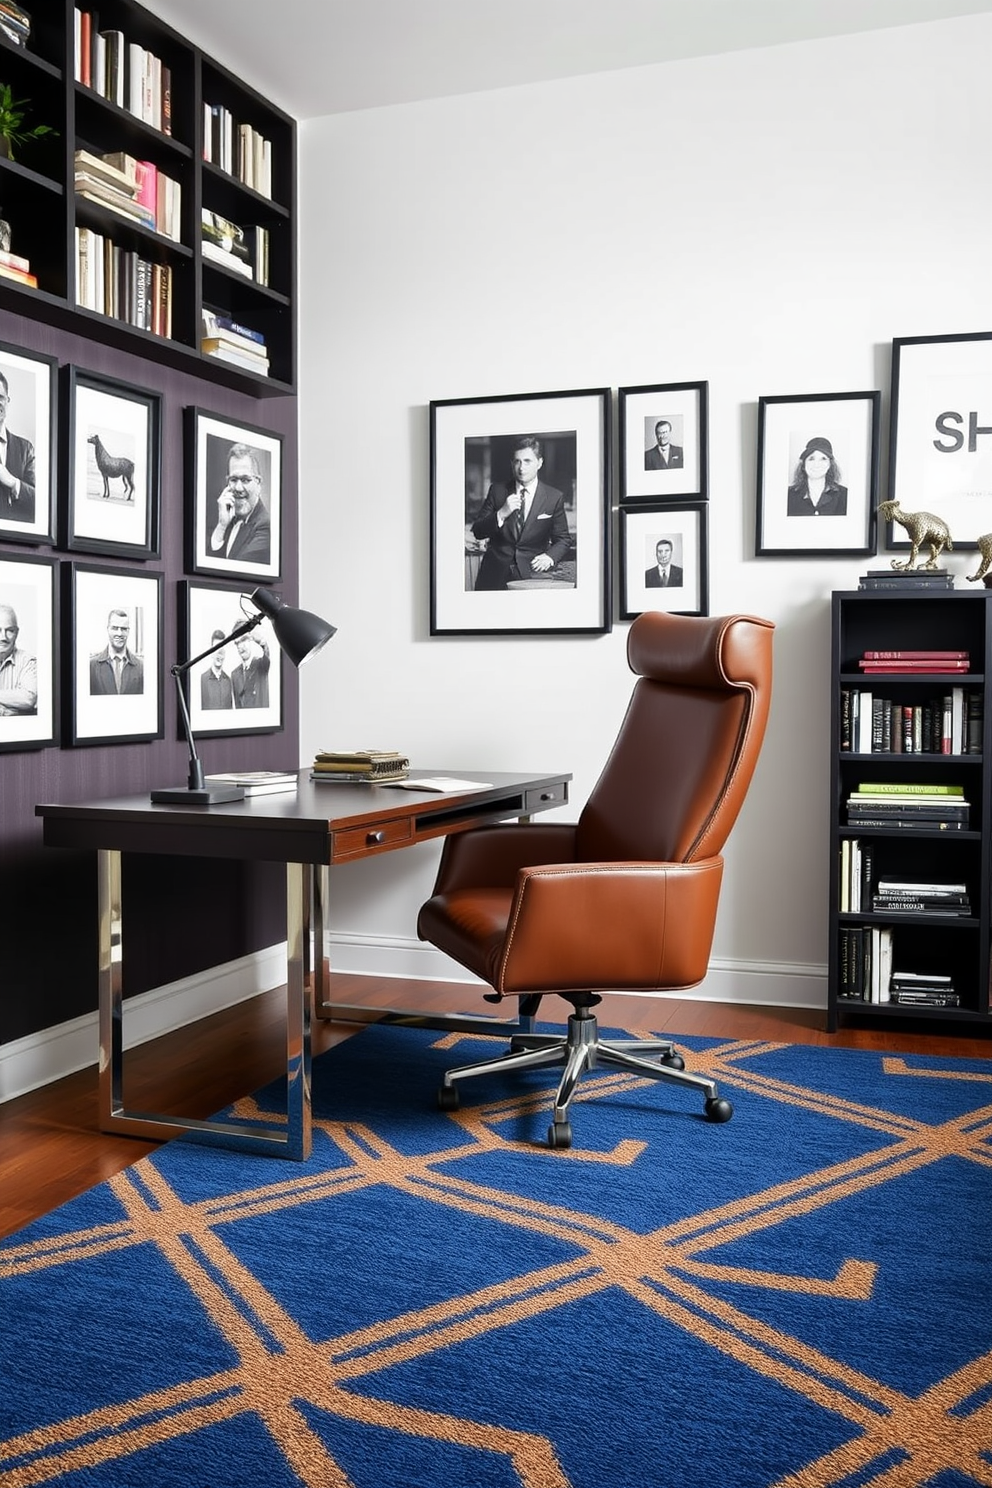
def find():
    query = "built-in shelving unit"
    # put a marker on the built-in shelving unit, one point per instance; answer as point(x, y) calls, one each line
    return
point(38, 199)
point(933, 943)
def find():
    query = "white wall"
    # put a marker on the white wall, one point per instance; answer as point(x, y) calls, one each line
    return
point(767, 221)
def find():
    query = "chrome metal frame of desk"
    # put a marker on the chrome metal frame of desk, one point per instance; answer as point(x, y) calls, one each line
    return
point(292, 1140)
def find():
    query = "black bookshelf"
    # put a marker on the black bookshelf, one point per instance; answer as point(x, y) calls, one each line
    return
point(955, 947)
point(37, 196)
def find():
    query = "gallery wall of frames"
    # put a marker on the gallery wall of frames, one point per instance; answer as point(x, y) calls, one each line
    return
point(125, 542)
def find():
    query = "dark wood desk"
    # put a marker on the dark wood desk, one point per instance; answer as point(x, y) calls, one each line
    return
point(308, 829)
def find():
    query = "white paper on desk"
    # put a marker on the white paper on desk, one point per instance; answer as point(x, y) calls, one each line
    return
point(444, 783)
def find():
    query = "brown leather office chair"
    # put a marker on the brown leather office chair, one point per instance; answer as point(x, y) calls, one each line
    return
point(626, 898)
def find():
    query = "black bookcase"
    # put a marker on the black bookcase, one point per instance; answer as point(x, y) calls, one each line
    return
point(37, 196)
point(951, 946)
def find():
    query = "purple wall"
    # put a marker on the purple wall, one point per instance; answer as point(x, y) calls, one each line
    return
point(181, 915)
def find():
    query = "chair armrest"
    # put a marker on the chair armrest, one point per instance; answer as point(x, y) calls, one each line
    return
point(611, 926)
point(491, 857)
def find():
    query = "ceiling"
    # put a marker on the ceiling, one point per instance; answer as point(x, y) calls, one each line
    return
point(314, 57)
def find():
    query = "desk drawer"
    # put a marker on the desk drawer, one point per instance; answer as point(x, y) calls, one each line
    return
point(358, 842)
point(547, 796)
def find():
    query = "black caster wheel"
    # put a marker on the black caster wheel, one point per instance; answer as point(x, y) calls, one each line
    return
point(447, 1098)
point(672, 1061)
point(718, 1109)
point(559, 1134)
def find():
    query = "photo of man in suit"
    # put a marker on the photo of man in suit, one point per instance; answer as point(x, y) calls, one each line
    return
point(250, 679)
point(17, 492)
point(523, 521)
point(663, 454)
point(243, 530)
point(664, 574)
point(216, 690)
point(117, 671)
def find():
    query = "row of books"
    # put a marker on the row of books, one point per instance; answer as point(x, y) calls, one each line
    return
point(919, 578)
point(236, 344)
point(860, 892)
point(897, 662)
point(949, 724)
point(120, 283)
point(122, 71)
point(15, 23)
point(912, 806)
point(866, 973)
point(237, 148)
point(133, 189)
point(359, 766)
point(242, 251)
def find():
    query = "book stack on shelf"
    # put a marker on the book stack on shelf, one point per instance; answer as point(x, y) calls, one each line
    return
point(875, 724)
point(359, 766)
point(914, 579)
point(122, 71)
point(237, 148)
point(922, 989)
point(916, 807)
point(896, 896)
point(13, 266)
point(258, 782)
point(135, 189)
point(15, 23)
point(228, 341)
point(897, 663)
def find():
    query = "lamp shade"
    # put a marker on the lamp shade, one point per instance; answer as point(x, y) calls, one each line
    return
point(300, 633)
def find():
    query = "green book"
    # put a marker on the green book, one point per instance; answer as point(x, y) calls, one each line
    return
point(890, 788)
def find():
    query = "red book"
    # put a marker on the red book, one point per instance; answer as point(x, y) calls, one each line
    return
point(914, 655)
point(147, 192)
point(85, 47)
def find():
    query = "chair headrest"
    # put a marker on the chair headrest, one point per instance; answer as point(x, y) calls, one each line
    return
point(698, 651)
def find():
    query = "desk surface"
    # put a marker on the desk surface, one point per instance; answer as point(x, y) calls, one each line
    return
point(316, 823)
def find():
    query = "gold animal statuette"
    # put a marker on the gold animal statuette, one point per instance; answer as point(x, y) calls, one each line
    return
point(923, 528)
point(984, 546)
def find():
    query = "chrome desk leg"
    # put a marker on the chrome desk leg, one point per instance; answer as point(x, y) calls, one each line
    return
point(292, 1140)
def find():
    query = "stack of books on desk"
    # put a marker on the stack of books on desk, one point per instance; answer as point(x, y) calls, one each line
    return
point(257, 782)
point(359, 766)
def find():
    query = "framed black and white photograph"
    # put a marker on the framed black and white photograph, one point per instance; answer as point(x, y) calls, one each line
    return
point(112, 467)
point(663, 442)
point(112, 655)
point(238, 689)
point(940, 433)
point(233, 498)
point(817, 486)
point(664, 559)
point(29, 671)
point(520, 514)
point(27, 445)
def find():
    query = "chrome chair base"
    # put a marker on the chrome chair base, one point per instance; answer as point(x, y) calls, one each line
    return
point(582, 1049)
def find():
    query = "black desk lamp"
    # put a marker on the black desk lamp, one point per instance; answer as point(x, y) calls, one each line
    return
point(300, 635)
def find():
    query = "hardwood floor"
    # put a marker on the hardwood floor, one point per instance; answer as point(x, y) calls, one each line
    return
point(51, 1148)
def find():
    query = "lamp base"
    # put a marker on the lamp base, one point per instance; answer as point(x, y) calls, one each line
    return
point(209, 795)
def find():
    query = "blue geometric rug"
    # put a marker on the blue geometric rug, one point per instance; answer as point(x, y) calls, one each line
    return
point(801, 1298)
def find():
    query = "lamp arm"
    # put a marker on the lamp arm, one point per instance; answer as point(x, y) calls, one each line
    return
point(195, 779)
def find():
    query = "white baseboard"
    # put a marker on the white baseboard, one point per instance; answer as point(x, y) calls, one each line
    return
point(40, 1058)
point(27, 1063)
point(754, 983)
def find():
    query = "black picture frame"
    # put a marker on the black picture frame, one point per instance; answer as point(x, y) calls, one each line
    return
point(940, 434)
point(112, 467)
point(29, 661)
point(209, 441)
point(27, 515)
point(798, 432)
point(682, 474)
point(684, 526)
point(92, 598)
point(214, 707)
point(474, 590)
